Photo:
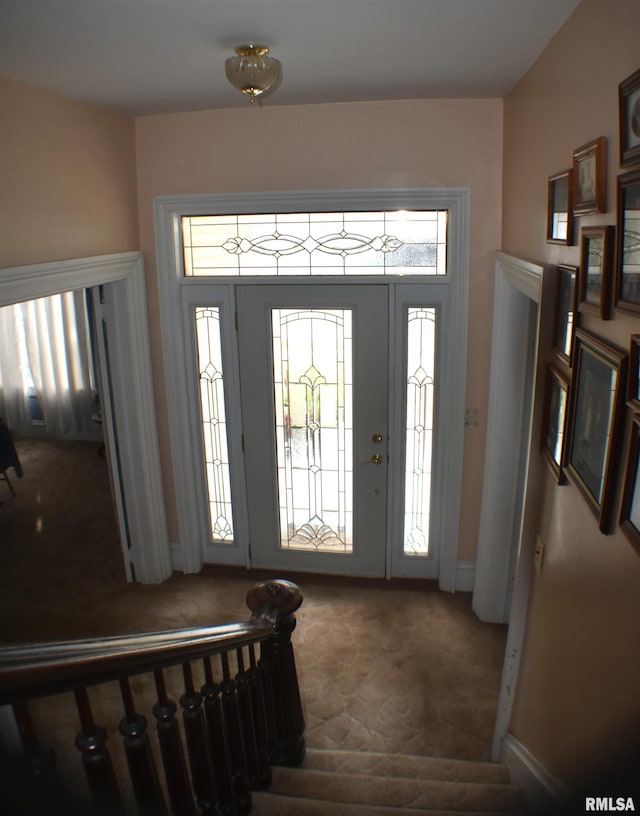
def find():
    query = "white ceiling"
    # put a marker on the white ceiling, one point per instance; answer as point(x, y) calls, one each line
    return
point(158, 56)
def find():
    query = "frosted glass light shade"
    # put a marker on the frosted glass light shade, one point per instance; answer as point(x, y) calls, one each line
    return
point(251, 70)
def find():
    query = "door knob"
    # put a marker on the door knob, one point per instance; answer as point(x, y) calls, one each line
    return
point(376, 459)
point(378, 438)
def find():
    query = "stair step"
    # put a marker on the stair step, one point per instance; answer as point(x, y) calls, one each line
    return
point(396, 792)
point(406, 766)
point(268, 804)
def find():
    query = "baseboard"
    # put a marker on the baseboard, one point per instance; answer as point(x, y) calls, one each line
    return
point(544, 793)
point(465, 570)
point(465, 576)
point(176, 556)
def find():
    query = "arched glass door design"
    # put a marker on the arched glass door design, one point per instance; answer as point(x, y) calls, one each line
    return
point(313, 363)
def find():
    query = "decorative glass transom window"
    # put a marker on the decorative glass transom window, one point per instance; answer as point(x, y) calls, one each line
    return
point(345, 243)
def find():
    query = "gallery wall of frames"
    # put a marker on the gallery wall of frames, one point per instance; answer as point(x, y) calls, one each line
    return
point(592, 386)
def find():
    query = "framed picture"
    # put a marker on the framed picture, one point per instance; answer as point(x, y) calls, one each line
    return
point(589, 177)
point(565, 311)
point(596, 270)
point(630, 508)
point(560, 209)
point(628, 242)
point(596, 401)
point(554, 421)
point(629, 110)
point(633, 388)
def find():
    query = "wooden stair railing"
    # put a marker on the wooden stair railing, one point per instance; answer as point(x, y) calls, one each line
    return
point(246, 715)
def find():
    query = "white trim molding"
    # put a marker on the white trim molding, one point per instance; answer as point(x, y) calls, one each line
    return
point(508, 523)
point(191, 548)
point(134, 404)
point(465, 576)
point(545, 794)
point(518, 284)
point(21, 283)
point(140, 473)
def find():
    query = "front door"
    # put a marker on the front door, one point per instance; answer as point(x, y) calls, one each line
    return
point(314, 393)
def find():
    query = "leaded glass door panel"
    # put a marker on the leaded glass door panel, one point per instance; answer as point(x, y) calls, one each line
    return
point(314, 380)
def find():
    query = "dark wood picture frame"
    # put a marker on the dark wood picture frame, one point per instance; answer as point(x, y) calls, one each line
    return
point(560, 208)
point(566, 311)
point(629, 115)
point(596, 270)
point(630, 507)
point(554, 421)
point(597, 398)
point(590, 177)
point(628, 242)
point(633, 379)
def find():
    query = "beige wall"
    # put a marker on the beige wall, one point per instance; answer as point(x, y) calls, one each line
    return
point(69, 190)
point(68, 178)
point(429, 143)
point(577, 698)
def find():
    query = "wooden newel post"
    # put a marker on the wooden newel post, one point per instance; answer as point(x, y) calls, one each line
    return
point(276, 601)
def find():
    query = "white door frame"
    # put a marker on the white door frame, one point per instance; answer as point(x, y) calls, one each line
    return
point(523, 299)
point(122, 275)
point(189, 554)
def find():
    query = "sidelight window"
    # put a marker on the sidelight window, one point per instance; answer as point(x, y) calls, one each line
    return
point(214, 425)
point(420, 384)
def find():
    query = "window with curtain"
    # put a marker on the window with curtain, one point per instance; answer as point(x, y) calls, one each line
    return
point(46, 371)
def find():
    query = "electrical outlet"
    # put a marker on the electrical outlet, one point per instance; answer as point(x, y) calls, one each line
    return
point(539, 554)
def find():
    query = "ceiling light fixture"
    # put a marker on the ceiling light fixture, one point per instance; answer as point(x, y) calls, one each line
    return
point(252, 71)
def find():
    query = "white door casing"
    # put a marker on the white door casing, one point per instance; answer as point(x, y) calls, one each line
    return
point(175, 288)
point(522, 307)
point(122, 276)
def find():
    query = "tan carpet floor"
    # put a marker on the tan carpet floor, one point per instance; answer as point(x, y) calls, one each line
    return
point(382, 667)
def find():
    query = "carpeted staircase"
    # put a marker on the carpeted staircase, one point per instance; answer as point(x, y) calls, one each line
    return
point(351, 783)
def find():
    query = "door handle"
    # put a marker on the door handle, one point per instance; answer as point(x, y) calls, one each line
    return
point(376, 459)
point(378, 438)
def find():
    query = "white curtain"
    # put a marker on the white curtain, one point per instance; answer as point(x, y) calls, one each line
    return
point(45, 351)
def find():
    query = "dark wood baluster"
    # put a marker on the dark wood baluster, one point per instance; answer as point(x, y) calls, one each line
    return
point(92, 742)
point(245, 706)
point(220, 757)
point(175, 768)
point(30, 781)
point(259, 719)
point(40, 758)
point(142, 768)
point(234, 738)
point(194, 726)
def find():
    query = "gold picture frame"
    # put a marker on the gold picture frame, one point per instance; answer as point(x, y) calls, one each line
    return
point(597, 398)
point(560, 208)
point(589, 177)
point(629, 113)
